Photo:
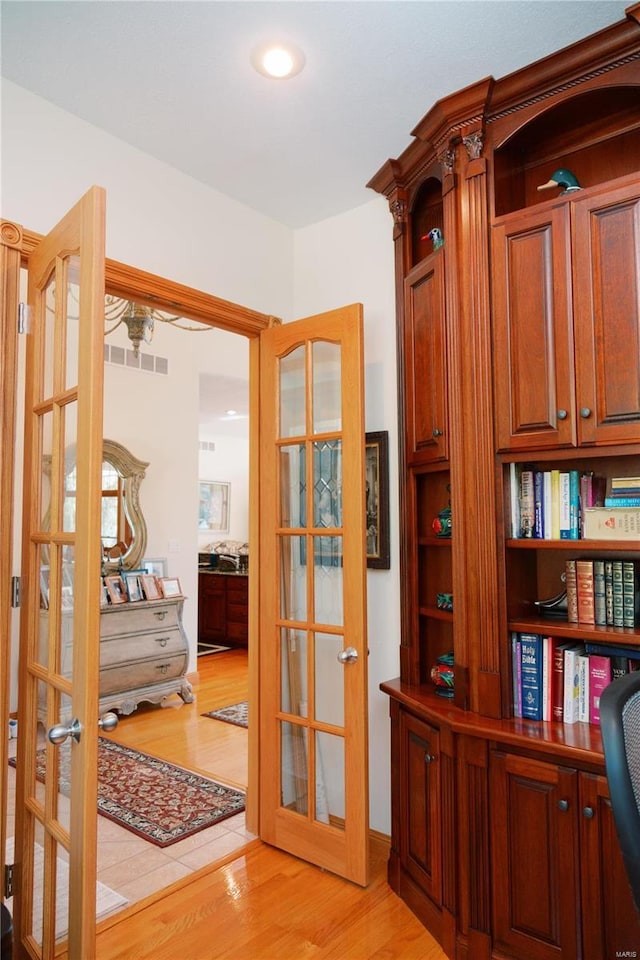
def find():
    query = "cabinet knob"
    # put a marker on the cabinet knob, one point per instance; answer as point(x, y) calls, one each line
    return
point(436, 433)
point(563, 805)
point(162, 641)
point(429, 757)
point(561, 414)
point(588, 813)
point(585, 412)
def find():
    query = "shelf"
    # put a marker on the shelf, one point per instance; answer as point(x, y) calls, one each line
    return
point(588, 632)
point(599, 546)
point(435, 613)
point(434, 541)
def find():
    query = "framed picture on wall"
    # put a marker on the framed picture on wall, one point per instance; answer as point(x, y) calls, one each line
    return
point(377, 499)
point(213, 506)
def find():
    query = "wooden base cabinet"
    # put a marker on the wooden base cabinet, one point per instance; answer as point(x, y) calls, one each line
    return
point(501, 851)
point(223, 608)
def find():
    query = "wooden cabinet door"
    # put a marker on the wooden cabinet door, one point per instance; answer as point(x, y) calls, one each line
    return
point(211, 608)
point(424, 363)
point(420, 829)
point(610, 923)
point(606, 290)
point(535, 872)
point(533, 340)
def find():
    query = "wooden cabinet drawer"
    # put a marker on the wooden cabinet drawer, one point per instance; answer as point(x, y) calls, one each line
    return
point(237, 589)
point(237, 631)
point(140, 673)
point(236, 612)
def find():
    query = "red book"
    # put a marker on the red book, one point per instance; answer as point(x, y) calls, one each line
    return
point(557, 682)
point(599, 678)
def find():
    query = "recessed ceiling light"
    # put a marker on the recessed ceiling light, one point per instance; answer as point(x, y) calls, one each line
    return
point(278, 61)
point(231, 413)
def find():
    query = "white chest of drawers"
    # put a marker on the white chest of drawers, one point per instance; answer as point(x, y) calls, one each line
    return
point(144, 653)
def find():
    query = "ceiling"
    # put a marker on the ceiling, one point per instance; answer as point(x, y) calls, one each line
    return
point(174, 79)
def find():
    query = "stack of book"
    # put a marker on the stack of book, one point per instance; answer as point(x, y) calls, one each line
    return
point(603, 592)
point(551, 504)
point(562, 681)
point(623, 492)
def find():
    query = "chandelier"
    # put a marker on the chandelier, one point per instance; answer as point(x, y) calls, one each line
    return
point(140, 321)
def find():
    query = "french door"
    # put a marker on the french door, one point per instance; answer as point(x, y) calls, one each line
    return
point(312, 569)
point(55, 843)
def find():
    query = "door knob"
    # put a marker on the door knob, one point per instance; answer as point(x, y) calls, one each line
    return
point(348, 655)
point(108, 722)
point(59, 732)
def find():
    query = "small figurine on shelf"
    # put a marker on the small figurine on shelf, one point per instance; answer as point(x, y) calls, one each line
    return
point(444, 601)
point(562, 178)
point(442, 675)
point(436, 236)
point(441, 524)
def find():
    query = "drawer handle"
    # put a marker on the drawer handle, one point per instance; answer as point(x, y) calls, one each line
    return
point(162, 641)
point(160, 614)
point(163, 668)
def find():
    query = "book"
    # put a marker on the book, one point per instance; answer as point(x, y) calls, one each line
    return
point(608, 591)
point(599, 678)
point(571, 683)
point(583, 687)
point(564, 496)
point(616, 502)
point(514, 491)
point(546, 491)
point(612, 523)
point(555, 504)
point(610, 650)
point(571, 583)
point(531, 675)
point(623, 486)
point(574, 505)
point(619, 667)
point(585, 590)
point(618, 602)
point(538, 496)
point(557, 682)
point(547, 677)
point(527, 503)
point(629, 594)
point(516, 674)
point(599, 600)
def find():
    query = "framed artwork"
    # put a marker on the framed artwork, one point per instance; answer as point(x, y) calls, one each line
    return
point(156, 566)
point(150, 586)
point(132, 581)
point(213, 506)
point(170, 587)
point(116, 589)
point(377, 499)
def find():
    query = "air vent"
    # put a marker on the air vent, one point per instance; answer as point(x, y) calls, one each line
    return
point(207, 445)
point(147, 362)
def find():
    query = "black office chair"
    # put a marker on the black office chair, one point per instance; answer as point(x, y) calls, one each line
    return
point(620, 727)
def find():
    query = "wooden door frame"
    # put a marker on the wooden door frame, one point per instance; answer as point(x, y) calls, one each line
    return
point(147, 288)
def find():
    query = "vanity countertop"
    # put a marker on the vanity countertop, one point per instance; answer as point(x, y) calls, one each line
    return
point(205, 568)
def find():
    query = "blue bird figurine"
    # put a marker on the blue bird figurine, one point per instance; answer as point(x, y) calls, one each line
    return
point(436, 235)
point(562, 178)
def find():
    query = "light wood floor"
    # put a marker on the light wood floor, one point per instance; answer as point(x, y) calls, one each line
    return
point(262, 904)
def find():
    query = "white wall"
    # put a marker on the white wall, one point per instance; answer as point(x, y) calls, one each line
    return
point(161, 221)
point(349, 259)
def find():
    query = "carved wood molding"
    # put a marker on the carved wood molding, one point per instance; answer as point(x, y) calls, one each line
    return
point(131, 283)
point(11, 234)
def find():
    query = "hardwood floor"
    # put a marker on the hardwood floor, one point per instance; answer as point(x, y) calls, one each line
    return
point(267, 905)
point(262, 904)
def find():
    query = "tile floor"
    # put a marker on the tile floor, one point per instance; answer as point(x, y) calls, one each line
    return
point(136, 868)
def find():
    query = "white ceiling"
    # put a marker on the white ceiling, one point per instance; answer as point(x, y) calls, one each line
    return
point(174, 79)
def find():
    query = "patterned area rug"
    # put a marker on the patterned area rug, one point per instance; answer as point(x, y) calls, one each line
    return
point(237, 713)
point(152, 798)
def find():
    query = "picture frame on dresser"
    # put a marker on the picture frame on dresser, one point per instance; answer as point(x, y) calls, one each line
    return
point(150, 586)
point(132, 582)
point(377, 499)
point(170, 587)
point(116, 589)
